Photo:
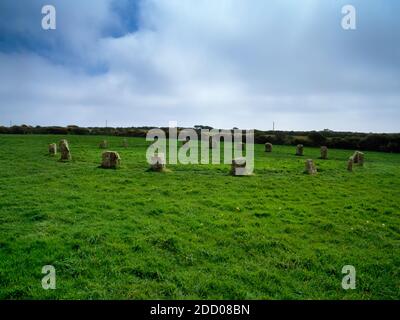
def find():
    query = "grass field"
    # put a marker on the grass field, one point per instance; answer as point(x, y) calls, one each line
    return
point(196, 232)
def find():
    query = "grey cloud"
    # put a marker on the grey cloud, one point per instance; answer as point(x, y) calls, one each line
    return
point(222, 63)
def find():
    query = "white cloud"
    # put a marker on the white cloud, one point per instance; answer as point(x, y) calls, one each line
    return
point(221, 63)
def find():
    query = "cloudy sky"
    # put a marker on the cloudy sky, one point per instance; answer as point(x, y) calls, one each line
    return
point(223, 63)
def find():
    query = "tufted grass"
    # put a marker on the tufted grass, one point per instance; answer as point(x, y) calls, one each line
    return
point(195, 232)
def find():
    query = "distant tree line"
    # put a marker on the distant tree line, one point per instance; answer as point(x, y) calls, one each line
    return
point(340, 140)
point(386, 142)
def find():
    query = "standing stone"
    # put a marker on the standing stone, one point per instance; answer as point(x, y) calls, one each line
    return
point(355, 156)
point(64, 149)
point(350, 164)
point(361, 159)
point(268, 147)
point(125, 143)
point(324, 152)
point(110, 160)
point(52, 149)
point(103, 144)
point(310, 167)
point(158, 162)
point(238, 167)
point(299, 150)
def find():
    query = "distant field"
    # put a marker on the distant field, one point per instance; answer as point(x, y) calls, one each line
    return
point(196, 232)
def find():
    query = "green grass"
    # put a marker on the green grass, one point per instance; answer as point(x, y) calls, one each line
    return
point(196, 232)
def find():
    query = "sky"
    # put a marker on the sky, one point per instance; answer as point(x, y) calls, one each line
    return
point(222, 63)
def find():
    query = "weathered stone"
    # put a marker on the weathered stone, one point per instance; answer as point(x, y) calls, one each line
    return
point(158, 162)
point(110, 160)
point(268, 147)
point(324, 152)
point(299, 150)
point(350, 164)
point(361, 159)
point(238, 167)
point(358, 158)
point(64, 149)
point(52, 149)
point(125, 143)
point(103, 144)
point(310, 167)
